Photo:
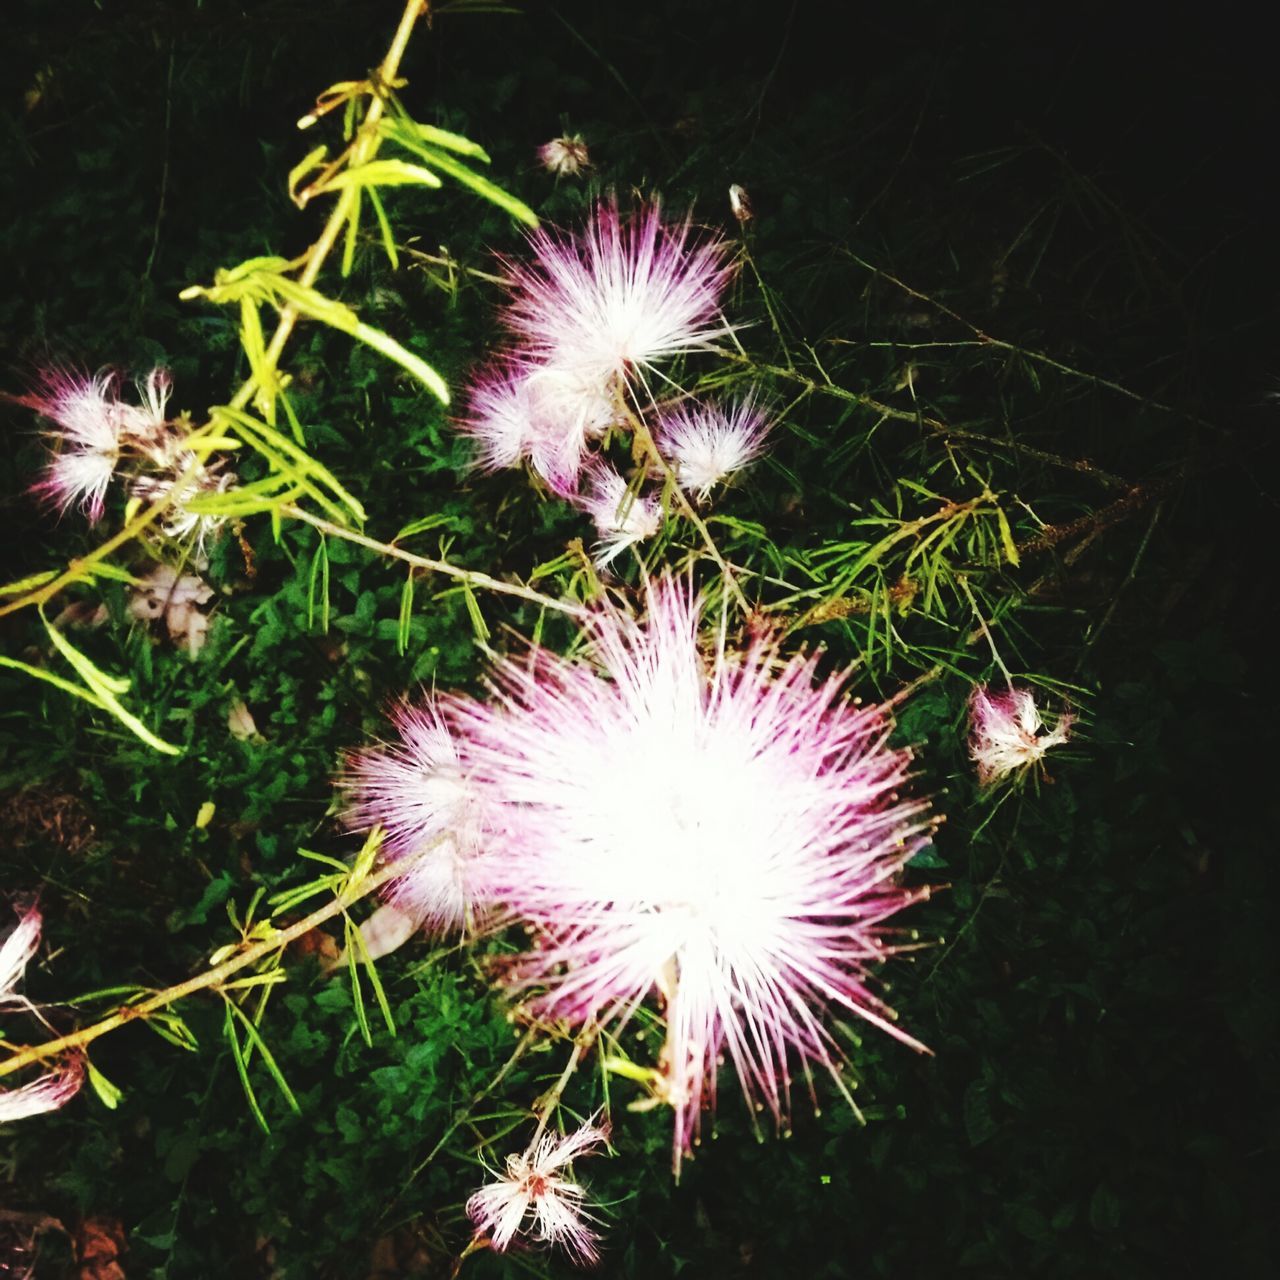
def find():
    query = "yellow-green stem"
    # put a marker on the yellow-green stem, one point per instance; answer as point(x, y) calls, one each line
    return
point(201, 982)
point(473, 577)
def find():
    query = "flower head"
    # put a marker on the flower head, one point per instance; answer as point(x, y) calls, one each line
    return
point(722, 830)
point(89, 421)
point(565, 156)
point(707, 443)
point(48, 1092)
point(1007, 733)
point(415, 788)
point(522, 410)
point(623, 517)
point(619, 297)
point(534, 1197)
point(16, 953)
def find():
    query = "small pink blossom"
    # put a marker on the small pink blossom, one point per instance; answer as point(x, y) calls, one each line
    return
point(417, 790)
point(534, 1198)
point(619, 297)
point(622, 516)
point(721, 830)
point(707, 443)
point(48, 1092)
point(525, 411)
point(16, 952)
point(1007, 733)
point(565, 156)
point(89, 421)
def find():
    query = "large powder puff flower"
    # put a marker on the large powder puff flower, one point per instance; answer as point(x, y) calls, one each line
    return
point(706, 442)
point(1007, 732)
point(726, 831)
point(536, 1199)
point(415, 788)
point(619, 297)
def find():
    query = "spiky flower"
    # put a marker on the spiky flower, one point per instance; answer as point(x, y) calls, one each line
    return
point(536, 1199)
point(622, 516)
point(619, 297)
point(1007, 733)
point(89, 420)
point(707, 442)
point(416, 790)
point(565, 156)
point(723, 830)
point(48, 1092)
point(16, 953)
point(525, 411)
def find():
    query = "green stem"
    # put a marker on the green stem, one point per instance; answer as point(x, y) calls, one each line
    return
point(201, 982)
point(472, 577)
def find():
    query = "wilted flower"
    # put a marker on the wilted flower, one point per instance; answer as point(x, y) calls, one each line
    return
point(48, 1092)
point(16, 953)
point(534, 1189)
point(623, 517)
point(175, 597)
point(740, 203)
point(565, 156)
point(416, 790)
point(182, 478)
point(622, 295)
point(1006, 732)
point(722, 830)
point(707, 443)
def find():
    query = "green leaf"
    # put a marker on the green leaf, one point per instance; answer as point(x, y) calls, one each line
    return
point(383, 173)
point(108, 1094)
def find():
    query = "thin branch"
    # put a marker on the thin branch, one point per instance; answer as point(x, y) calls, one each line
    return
point(473, 577)
point(201, 982)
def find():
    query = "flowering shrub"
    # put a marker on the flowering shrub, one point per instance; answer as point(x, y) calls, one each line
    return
point(416, 827)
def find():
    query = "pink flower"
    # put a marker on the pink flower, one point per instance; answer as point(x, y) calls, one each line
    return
point(623, 517)
point(417, 790)
point(522, 410)
point(707, 443)
point(1005, 734)
point(534, 1185)
point(89, 421)
point(16, 953)
point(48, 1092)
point(619, 297)
point(720, 829)
point(565, 156)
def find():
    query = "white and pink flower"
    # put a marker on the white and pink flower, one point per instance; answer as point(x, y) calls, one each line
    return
point(535, 1198)
point(1007, 733)
point(565, 156)
point(622, 516)
point(619, 297)
point(722, 831)
point(416, 789)
point(705, 443)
